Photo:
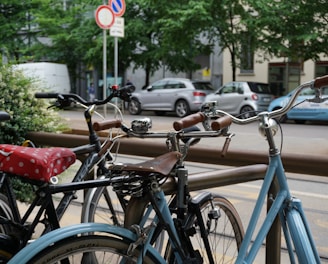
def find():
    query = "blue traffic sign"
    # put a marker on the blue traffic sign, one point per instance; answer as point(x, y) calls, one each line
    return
point(118, 7)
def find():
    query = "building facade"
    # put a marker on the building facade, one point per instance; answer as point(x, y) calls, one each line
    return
point(282, 75)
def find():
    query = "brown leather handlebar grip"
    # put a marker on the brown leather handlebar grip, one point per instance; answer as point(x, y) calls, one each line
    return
point(321, 81)
point(107, 124)
point(221, 123)
point(189, 121)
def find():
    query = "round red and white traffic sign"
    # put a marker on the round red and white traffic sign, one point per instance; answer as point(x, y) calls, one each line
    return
point(105, 17)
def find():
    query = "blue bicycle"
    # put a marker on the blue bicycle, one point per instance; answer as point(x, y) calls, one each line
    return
point(102, 243)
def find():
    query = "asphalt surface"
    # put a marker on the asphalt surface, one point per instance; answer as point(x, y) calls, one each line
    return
point(246, 137)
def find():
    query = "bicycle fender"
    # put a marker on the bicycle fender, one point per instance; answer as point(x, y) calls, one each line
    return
point(28, 252)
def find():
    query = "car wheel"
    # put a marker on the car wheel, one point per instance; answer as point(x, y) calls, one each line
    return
point(160, 113)
point(182, 108)
point(246, 112)
point(300, 122)
point(134, 107)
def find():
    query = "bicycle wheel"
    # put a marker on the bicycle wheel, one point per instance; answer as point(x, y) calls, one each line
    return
point(223, 230)
point(9, 244)
point(5, 213)
point(90, 249)
point(103, 206)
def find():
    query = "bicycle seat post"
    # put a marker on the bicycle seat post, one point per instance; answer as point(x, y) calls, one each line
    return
point(182, 174)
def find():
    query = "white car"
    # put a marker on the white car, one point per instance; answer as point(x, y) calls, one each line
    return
point(243, 99)
point(178, 95)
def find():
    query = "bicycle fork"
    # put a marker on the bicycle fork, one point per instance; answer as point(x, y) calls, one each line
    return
point(296, 229)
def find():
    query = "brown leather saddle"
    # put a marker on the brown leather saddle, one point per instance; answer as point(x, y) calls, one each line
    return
point(162, 164)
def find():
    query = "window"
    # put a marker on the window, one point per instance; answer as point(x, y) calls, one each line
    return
point(174, 85)
point(206, 86)
point(247, 55)
point(158, 85)
point(229, 88)
point(321, 68)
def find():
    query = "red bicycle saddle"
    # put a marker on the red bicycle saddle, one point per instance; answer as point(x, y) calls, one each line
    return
point(35, 163)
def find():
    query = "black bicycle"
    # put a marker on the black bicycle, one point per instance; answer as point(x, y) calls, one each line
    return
point(39, 167)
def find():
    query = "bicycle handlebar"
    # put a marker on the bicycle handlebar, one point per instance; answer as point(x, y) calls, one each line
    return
point(189, 121)
point(123, 93)
point(113, 123)
point(221, 123)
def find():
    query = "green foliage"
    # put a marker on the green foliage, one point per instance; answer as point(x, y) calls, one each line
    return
point(27, 114)
point(293, 29)
point(163, 32)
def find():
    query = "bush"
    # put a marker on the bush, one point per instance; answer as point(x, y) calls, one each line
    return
point(27, 114)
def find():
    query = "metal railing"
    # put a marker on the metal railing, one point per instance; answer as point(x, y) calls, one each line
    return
point(295, 163)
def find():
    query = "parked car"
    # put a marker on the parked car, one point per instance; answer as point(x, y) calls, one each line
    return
point(303, 111)
point(242, 99)
point(178, 95)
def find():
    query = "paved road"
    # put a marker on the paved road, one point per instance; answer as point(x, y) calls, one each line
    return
point(311, 139)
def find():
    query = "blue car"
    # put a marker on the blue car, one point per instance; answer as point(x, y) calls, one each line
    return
point(305, 111)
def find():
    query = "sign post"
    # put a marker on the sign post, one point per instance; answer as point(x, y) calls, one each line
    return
point(105, 19)
point(106, 15)
point(118, 7)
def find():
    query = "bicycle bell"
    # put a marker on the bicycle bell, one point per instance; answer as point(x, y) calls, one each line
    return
point(141, 125)
point(268, 123)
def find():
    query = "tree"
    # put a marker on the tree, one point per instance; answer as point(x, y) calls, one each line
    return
point(16, 27)
point(293, 29)
point(68, 31)
point(161, 33)
point(227, 27)
point(205, 23)
point(182, 36)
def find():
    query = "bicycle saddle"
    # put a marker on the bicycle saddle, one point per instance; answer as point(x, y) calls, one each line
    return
point(35, 163)
point(162, 164)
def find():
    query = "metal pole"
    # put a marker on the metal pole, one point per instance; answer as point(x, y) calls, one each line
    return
point(116, 64)
point(104, 68)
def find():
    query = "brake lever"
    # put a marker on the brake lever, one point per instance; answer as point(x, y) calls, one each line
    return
point(62, 102)
point(226, 145)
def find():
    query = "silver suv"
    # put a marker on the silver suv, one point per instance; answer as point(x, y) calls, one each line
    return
point(178, 95)
point(242, 99)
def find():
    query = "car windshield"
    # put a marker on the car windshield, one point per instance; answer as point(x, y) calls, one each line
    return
point(203, 86)
point(261, 88)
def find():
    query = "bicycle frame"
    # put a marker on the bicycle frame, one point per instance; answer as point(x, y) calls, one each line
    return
point(44, 199)
point(283, 201)
point(283, 205)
